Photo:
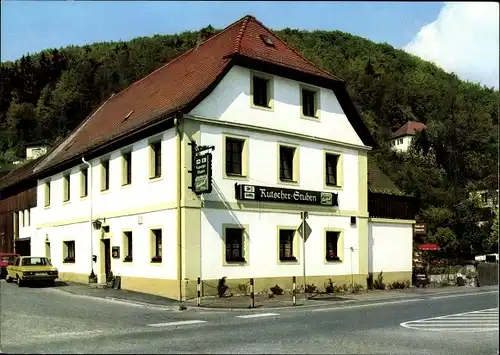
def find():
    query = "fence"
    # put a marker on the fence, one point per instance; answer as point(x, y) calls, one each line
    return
point(487, 274)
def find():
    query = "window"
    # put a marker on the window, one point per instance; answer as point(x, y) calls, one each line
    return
point(332, 246)
point(309, 105)
point(21, 218)
point(127, 168)
point(234, 244)
point(331, 162)
point(69, 251)
point(287, 155)
point(286, 245)
point(234, 156)
point(47, 194)
point(128, 246)
point(84, 182)
point(155, 162)
point(66, 188)
point(261, 92)
point(27, 218)
point(157, 242)
point(105, 175)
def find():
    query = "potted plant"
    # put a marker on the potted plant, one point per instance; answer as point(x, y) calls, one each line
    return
point(128, 259)
point(156, 259)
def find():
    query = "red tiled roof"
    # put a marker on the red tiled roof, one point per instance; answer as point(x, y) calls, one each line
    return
point(19, 173)
point(177, 84)
point(408, 129)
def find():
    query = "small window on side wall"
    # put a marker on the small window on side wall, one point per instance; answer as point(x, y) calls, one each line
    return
point(66, 188)
point(127, 236)
point(105, 175)
point(47, 193)
point(84, 182)
point(155, 160)
point(234, 245)
point(331, 169)
point(126, 168)
point(332, 246)
point(287, 155)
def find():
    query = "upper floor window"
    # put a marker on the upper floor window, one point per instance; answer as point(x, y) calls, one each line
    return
point(84, 182)
point(234, 156)
point(261, 91)
point(105, 175)
point(287, 163)
point(47, 193)
point(66, 188)
point(155, 160)
point(331, 162)
point(309, 103)
point(127, 168)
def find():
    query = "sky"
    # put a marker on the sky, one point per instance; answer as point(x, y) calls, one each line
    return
point(459, 37)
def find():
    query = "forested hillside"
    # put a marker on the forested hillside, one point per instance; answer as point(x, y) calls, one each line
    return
point(46, 95)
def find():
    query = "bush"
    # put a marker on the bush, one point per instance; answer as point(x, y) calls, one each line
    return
point(311, 288)
point(329, 288)
point(276, 290)
point(341, 288)
point(379, 284)
point(222, 287)
point(356, 288)
point(369, 281)
point(399, 285)
point(244, 288)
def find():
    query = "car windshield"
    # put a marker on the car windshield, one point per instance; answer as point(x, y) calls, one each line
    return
point(35, 262)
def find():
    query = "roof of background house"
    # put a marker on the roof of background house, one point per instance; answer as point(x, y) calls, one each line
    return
point(378, 181)
point(408, 129)
point(176, 87)
point(19, 173)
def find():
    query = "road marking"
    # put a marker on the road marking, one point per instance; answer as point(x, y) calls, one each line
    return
point(173, 324)
point(475, 321)
point(368, 305)
point(462, 295)
point(258, 315)
point(68, 334)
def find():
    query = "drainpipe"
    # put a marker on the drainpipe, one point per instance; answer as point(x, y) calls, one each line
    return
point(89, 192)
point(178, 198)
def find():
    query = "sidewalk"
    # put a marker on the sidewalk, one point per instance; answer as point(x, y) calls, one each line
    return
point(262, 300)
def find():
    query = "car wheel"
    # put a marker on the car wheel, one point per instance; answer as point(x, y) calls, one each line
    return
point(20, 282)
point(8, 279)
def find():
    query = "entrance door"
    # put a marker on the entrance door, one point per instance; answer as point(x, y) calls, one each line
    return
point(107, 257)
point(47, 250)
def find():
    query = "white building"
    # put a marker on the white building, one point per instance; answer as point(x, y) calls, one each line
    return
point(401, 139)
point(286, 139)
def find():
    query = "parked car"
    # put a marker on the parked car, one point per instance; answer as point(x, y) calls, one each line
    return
point(420, 277)
point(5, 259)
point(30, 268)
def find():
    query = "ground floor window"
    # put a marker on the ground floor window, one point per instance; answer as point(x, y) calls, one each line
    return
point(128, 246)
point(332, 246)
point(234, 244)
point(286, 245)
point(69, 251)
point(157, 245)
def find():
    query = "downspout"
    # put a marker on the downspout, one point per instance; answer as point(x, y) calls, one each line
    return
point(178, 207)
point(89, 175)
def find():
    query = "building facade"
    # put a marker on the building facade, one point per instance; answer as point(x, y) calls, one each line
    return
point(284, 139)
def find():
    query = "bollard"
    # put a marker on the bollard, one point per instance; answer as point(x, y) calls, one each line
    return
point(294, 291)
point(252, 296)
point(198, 292)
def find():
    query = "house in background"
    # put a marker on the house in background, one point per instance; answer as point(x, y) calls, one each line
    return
point(34, 150)
point(401, 139)
point(284, 137)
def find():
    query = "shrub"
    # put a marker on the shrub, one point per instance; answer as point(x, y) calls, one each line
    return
point(356, 288)
point(311, 288)
point(276, 290)
point(244, 288)
point(222, 287)
point(330, 288)
point(369, 281)
point(341, 288)
point(399, 285)
point(379, 284)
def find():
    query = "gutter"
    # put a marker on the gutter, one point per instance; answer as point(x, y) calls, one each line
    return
point(179, 184)
point(90, 193)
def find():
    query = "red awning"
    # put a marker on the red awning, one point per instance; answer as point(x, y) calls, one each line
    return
point(429, 246)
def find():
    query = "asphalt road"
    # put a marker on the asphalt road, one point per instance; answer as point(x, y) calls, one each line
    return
point(48, 320)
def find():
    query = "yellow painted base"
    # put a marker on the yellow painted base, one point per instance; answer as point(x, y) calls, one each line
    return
point(74, 277)
point(160, 287)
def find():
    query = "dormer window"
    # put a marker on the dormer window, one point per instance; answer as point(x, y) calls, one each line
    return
point(267, 41)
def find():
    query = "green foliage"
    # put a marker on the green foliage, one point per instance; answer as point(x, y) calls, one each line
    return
point(311, 288)
point(329, 286)
point(399, 285)
point(221, 286)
